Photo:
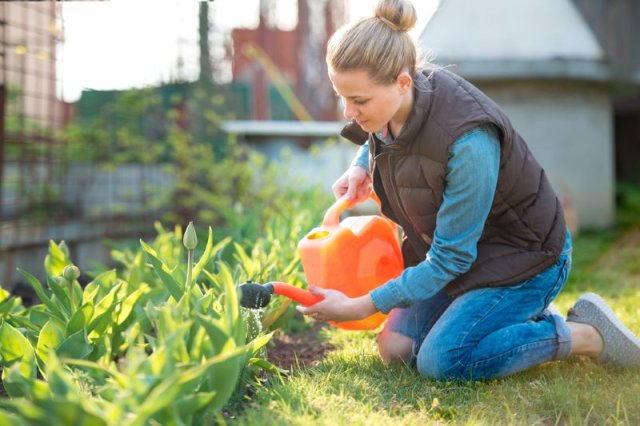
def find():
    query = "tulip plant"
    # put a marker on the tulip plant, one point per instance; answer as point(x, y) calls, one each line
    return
point(155, 343)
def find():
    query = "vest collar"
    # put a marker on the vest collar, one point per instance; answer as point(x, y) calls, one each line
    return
point(422, 99)
point(354, 133)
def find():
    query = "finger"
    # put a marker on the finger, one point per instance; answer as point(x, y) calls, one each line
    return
point(341, 185)
point(355, 182)
point(363, 192)
point(315, 315)
point(351, 192)
point(305, 310)
point(318, 291)
point(339, 190)
point(364, 189)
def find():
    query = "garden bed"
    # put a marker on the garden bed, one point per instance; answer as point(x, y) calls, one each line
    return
point(299, 349)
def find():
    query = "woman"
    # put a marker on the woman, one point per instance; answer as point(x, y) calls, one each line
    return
point(486, 248)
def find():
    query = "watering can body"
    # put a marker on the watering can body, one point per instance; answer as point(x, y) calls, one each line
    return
point(353, 256)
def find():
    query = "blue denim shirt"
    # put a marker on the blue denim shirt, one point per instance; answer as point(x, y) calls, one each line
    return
point(472, 175)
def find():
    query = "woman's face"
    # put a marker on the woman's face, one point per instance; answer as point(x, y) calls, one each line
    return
point(372, 105)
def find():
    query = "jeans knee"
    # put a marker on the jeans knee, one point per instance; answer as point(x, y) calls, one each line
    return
point(446, 363)
point(432, 364)
point(446, 367)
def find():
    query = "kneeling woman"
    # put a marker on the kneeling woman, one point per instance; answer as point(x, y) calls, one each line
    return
point(486, 248)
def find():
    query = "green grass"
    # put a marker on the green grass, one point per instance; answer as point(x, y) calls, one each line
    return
point(352, 387)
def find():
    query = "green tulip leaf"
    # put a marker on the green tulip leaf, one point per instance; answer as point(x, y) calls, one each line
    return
point(130, 302)
point(173, 286)
point(14, 347)
point(61, 296)
point(42, 295)
point(56, 260)
point(209, 251)
point(51, 337)
point(80, 319)
point(75, 346)
point(18, 361)
point(194, 403)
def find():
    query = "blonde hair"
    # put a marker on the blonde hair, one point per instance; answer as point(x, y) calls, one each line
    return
point(379, 44)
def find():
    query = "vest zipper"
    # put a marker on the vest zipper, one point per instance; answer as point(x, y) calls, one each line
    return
point(394, 193)
point(398, 209)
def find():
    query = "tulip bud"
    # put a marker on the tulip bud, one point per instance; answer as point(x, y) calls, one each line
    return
point(190, 239)
point(71, 272)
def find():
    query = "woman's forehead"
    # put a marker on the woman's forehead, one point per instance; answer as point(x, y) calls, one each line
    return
point(351, 80)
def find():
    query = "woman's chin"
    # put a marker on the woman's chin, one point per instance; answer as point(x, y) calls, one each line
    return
point(366, 126)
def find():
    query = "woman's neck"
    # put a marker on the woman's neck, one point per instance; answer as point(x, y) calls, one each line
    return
point(402, 115)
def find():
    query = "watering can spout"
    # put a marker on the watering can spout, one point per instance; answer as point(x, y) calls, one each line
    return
point(257, 296)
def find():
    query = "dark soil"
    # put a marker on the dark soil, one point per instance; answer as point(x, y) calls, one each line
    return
point(290, 352)
point(300, 349)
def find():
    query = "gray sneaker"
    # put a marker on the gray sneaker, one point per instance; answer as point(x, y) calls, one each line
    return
point(621, 346)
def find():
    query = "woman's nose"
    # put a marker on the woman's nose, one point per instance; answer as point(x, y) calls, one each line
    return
point(349, 111)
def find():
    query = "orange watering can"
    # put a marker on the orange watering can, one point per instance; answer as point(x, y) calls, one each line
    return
point(353, 256)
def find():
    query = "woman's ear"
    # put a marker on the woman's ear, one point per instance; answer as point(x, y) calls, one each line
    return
point(404, 82)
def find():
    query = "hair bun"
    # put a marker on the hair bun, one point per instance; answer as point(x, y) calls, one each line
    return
point(388, 23)
point(399, 15)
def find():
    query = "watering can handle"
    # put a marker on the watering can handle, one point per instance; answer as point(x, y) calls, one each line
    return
point(332, 216)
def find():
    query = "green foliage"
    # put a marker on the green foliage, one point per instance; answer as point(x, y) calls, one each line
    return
point(129, 128)
point(214, 178)
point(265, 247)
point(139, 346)
point(10, 306)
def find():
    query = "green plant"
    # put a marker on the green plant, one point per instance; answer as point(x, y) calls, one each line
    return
point(160, 348)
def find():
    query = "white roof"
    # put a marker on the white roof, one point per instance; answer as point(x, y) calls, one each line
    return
point(508, 30)
point(283, 128)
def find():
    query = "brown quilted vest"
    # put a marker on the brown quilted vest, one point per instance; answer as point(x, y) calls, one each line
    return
point(525, 230)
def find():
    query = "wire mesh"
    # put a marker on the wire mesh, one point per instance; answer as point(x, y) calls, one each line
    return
point(44, 193)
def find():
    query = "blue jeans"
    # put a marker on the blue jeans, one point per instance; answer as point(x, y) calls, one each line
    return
point(489, 332)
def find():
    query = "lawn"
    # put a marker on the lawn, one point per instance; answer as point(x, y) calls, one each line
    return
point(351, 386)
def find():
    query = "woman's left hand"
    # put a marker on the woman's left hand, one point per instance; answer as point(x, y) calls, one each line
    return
point(336, 306)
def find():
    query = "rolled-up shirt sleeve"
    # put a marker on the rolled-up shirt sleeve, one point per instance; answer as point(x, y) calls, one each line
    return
point(471, 178)
point(361, 158)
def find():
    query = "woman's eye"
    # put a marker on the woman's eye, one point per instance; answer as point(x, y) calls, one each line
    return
point(359, 102)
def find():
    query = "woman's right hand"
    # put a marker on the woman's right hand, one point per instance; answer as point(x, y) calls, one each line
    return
point(355, 183)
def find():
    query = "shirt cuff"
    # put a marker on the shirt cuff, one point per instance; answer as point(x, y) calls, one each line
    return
point(362, 158)
point(386, 297)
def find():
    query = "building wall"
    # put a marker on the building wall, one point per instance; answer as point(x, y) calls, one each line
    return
point(569, 129)
point(98, 203)
point(615, 24)
point(30, 32)
point(302, 168)
point(542, 62)
point(297, 57)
